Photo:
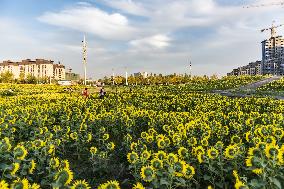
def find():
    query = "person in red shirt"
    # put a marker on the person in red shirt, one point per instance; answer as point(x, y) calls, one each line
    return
point(85, 93)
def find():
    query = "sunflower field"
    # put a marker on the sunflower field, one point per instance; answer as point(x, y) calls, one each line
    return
point(152, 137)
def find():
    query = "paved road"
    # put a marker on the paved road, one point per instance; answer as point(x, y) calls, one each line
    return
point(253, 86)
point(250, 88)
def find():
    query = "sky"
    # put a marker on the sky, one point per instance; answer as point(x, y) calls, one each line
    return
point(156, 36)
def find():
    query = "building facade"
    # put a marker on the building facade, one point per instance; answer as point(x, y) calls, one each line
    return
point(39, 68)
point(272, 59)
point(273, 56)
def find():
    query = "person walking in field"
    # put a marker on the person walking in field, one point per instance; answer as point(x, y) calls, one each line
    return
point(102, 93)
point(85, 93)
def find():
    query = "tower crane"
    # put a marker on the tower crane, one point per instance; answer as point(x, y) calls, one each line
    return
point(272, 29)
point(281, 3)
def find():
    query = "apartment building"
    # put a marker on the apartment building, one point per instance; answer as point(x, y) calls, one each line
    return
point(272, 59)
point(39, 68)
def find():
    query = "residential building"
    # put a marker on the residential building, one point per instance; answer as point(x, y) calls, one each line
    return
point(39, 68)
point(272, 59)
point(273, 56)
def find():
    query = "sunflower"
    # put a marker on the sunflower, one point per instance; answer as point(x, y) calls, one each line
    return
point(54, 162)
point(138, 186)
point(254, 151)
point(34, 186)
point(110, 146)
point(180, 168)
point(15, 168)
point(4, 184)
point(270, 140)
point(160, 137)
point(113, 184)
point(279, 133)
point(65, 164)
point(258, 171)
point(74, 135)
point(145, 155)
point(167, 141)
point(133, 146)
point(105, 136)
point(271, 151)
point(239, 184)
point(20, 183)
point(150, 139)
point(190, 172)
point(219, 145)
point(261, 145)
point(147, 173)
point(93, 150)
point(51, 149)
point(201, 157)
point(20, 152)
point(204, 142)
point(249, 136)
point(192, 141)
point(182, 152)
point(231, 151)
point(80, 184)
point(5, 145)
point(161, 155)
point(132, 157)
point(156, 163)
point(161, 144)
point(144, 135)
point(32, 167)
point(172, 158)
point(199, 150)
point(64, 176)
point(249, 161)
point(89, 137)
point(236, 139)
point(212, 153)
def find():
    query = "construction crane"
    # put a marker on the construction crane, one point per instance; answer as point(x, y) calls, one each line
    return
point(272, 29)
point(265, 5)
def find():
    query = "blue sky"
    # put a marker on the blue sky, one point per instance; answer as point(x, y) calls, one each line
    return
point(158, 36)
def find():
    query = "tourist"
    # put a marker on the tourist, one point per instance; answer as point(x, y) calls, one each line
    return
point(85, 93)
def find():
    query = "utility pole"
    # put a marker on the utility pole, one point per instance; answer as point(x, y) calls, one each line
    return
point(85, 59)
point(126, 82)
point(190, 68)
point(112, 76)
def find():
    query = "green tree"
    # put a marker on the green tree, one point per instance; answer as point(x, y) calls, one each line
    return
point(7, 77)
point(31, 79)
point(21, 77)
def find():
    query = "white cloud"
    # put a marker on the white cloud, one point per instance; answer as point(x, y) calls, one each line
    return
point(91, 20)
point(128, 6)
point(158, 41)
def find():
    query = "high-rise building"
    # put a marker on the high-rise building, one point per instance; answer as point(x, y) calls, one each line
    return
point(272, 59)
point(273, 56)
point(39, 68)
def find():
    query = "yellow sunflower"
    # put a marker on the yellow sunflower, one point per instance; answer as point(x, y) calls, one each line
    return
point(15, 168)
point(138, 186)
point(20, 183)
point(147, 173)
point(4, 184)
point(32, 167)
point(80, 184)
point(20, 152)
point(64, 176)
point(132, 157)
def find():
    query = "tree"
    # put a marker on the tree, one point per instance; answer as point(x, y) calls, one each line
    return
point(7, 77)
point(21, 77)
point(31, 79)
